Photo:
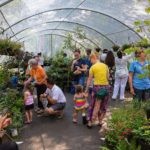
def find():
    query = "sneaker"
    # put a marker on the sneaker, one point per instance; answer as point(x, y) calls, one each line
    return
point(40, 111)
point(60, 116)
point(36, 109)
point(113, 99)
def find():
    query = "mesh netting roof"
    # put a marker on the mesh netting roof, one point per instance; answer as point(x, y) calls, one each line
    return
point(43, 24)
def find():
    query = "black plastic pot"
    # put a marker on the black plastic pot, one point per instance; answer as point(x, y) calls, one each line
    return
point(144, 145)
point(147, 111)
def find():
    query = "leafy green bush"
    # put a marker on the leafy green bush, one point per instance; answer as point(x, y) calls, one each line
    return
point(122, 123)
point(60, 70)
point(12, 101)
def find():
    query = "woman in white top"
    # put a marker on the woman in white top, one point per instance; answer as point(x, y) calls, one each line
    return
point(121, 74)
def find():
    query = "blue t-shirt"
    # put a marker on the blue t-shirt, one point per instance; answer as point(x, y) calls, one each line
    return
point(139, 69)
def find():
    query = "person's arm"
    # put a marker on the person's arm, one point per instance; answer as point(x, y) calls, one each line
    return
point(28, 81)
point(128, 57)
point(131, 73)
point(83, 69)
point(72, 66)
point(51, 100)
point(89, 80)
point(74, 98)
point(108, 74)
point(4, 121)
point(131, 83)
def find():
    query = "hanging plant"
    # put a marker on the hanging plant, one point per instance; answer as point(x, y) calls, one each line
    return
point(115, 48)
point(9, 48)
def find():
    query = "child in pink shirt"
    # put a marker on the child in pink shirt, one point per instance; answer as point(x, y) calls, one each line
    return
point(28, 103)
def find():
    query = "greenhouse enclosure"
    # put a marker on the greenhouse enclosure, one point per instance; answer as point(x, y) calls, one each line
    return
point(47, 44)
point(43, 25)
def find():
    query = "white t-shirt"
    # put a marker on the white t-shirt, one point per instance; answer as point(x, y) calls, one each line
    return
point(57, 94)
point(121, 65)
point(41, 61)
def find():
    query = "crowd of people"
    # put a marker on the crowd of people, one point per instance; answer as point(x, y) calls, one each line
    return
point(104, 76)
point(97, 78)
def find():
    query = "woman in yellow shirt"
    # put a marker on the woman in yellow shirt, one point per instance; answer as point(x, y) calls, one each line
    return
point(99, 73)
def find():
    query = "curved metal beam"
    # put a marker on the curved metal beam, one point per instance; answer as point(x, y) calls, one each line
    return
point(58, 35)
point(77, 9)
point(8, 1)
point(71, 23)
point(58, 30)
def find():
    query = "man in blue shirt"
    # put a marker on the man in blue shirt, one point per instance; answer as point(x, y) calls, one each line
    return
point(139, 77)
point(79, 68)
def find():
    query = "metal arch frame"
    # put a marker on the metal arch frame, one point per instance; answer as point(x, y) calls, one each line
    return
point(71, 22)
point(58, 35)
point(60, 30)
point(93, 11)
point(3, 4)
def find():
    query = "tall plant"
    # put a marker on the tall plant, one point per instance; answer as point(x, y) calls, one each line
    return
point(69, 43)
point(141, 24)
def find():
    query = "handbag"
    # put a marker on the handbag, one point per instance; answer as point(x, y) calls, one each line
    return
point(101, 93)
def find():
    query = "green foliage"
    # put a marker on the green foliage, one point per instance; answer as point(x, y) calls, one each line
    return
point(126, 46)
point(11, 100)
point(125, 145)
point(122, 123)
point(137, 23)
point(60, 70)
point(69, 43)
point(10, 48)
point(80, 34)
point(4, 76)
point(115, 48)
point(147, 105)
point(131, 50)
point(141, 23)
point(147, 10)
point(143, 133)
point(145, 43)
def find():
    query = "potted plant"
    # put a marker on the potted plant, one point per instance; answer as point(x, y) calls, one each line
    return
point(115, 48)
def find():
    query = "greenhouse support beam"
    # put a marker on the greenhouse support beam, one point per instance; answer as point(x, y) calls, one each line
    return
point(3, 4)
point(93, 11)
point(7, 23)
point(75, 24)
point(56, 35)
point(58, 30)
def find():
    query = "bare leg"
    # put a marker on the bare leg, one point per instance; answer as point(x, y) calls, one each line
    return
point(27, 117)
point(96, 110)
point(50, 111)
point(101, 115)
point(30, 115)
point(75, 116)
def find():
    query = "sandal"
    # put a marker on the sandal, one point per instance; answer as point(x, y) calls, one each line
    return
point(74, 121)
point(89, 125)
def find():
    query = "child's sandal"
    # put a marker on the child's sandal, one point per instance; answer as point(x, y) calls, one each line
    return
point(74, 121)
